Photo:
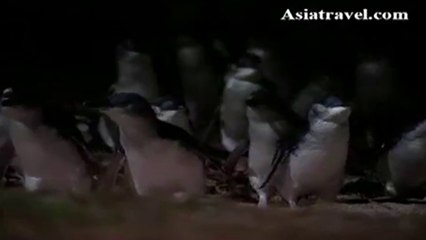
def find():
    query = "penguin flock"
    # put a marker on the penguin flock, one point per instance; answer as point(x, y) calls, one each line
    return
point(296, 146)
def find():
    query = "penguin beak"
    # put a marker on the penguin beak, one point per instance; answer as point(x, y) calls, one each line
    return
point(6, 102)
point(346, 111)
point(341, 114)
point(7, 99)
point(113, 112)
point(106, 110)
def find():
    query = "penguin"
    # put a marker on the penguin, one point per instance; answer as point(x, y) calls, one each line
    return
point(91, 125)
point(172, 110)
point(48, 145)
point(13, 176)
point(162, 158)
point(202, 84)
point(135, 72)
point(385, 107)
point(243, 82)
point(269, 123)
point(109, 133)
point(7, 152)
point(316, 166)
point(407, 162)
point(102, 139)
point(315, 91)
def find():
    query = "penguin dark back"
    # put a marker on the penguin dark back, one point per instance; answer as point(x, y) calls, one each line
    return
point(133, 103)
point(169, 103)
point(57, 117)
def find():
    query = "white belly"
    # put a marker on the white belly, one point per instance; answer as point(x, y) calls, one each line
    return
point(263, 143)
point(318, 164)
point(233, 112)
point(407, 163)
point(164, 166)
point(178, 118)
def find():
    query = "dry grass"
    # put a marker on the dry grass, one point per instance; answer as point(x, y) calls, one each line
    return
point(116, 217)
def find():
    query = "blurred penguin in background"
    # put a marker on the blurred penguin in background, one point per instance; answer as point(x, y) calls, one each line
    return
point(290, 81)
point(172, 110)
point(135, 72)
point(162, 158)
point(278, 69)
point(385, 105)
point(47, 143)
point(7, 152)
point(315, 90)
point(202, 82)
point(240, 84)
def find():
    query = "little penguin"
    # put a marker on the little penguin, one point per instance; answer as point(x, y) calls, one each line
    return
point(316, 90)
point(92, 126)
point(239, 86)
point(202, 84)
point(162, 158)
point(47, 145)
point(269, 123)
point(172, 110)
point(316, 166)
point(7, 151)
point(135, 72)
point(407, 162)
point(99, 131)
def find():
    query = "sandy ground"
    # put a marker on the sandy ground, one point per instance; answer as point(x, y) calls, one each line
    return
point(31, 216)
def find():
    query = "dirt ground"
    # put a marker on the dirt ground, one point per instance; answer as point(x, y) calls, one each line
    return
point(117, 217)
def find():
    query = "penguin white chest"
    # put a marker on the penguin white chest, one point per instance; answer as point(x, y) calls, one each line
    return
point(164, 166)
point(263, 143)
point(319, 159)
point(317, 165)
point(177, 117)
point(407, 161)
point(45, 156)
point(233, 112)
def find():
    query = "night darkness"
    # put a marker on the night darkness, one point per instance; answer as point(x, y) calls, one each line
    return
point(70, 46)
point(329, 113)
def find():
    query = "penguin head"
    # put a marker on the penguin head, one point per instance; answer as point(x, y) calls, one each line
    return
point(8, 97)
point(169, 104)
point(190, 53)
point(259, 99)
point(17, 98)
point(264, 104)
point(22, 105)
point(126, 47)
point(250, 60)
point(130, 104)
point(331, 110)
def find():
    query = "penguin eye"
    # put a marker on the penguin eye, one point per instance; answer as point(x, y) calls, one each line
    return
point(128, 107)
point(316, 110)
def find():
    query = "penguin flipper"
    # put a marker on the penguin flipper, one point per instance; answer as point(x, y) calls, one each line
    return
point(169, 131)
point(286, 146)
point(281, 155)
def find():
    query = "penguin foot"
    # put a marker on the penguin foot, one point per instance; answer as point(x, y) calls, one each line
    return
point(263, 200)
point(181, 197)
point(293, 204)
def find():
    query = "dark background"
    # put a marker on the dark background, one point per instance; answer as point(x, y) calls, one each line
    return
point(66, 49)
